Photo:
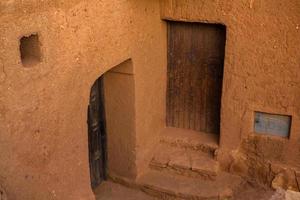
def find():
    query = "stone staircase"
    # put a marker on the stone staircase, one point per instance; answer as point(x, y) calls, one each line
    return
point(175, 187)
point(184, 167)
point(192, 155)
point(185, 162)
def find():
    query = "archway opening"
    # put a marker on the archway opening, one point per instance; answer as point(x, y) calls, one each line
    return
point(111, 125)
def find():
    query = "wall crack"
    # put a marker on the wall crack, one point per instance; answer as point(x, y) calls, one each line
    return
point(3, 74)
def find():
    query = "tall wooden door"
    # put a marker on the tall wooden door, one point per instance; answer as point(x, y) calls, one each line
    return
point(97, 134)
point(195, 74)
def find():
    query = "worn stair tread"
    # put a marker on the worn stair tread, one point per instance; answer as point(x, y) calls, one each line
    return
point(184, 162)
point(190, 139)
point(161, 184)
point(204, 164)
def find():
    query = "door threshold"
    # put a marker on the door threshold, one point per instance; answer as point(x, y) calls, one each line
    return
point(189, 138)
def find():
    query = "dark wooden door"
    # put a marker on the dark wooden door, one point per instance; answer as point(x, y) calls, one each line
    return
point(97, 134)
point(195, 74)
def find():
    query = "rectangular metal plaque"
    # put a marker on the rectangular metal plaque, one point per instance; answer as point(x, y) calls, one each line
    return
point(278, 125)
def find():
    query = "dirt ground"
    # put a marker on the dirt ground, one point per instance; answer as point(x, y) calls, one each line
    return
point(113, 191)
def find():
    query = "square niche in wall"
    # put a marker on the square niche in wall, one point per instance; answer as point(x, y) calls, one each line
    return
point(30, 50)
point(272, 124)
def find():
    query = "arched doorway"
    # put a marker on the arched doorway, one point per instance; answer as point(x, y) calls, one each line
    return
point(111, 125)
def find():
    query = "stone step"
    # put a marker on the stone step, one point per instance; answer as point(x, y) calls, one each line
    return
point(166, 186)
point(184, 162)
point(189, 139)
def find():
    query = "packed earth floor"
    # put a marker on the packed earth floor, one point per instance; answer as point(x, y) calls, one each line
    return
point(113, 191)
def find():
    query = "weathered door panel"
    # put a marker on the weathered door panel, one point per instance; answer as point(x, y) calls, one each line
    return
point(97, 134)
point(195, 74)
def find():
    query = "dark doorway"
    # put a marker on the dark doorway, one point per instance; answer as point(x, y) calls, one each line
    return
point(97, 134)
point(195, 74)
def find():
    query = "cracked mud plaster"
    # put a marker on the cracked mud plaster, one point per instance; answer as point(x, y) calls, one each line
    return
point(3, 195)
point(2, 72)
point(260, 158)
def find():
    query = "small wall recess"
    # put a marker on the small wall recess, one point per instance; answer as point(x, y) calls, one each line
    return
point(30, 50)
point(272, 124)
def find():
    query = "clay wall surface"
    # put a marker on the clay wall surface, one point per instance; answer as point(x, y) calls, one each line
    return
point(44, 150)
point(43, 130)
point(261, 71)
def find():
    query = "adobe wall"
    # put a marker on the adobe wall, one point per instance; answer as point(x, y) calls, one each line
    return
point(261, 74)
point(44, 150)
point(43, 141)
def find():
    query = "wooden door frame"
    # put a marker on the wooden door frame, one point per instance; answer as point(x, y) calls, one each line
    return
point(220, 30)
